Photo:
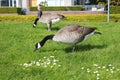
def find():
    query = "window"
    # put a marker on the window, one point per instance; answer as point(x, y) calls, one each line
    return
point(81, 2)
point(87, 1)
point(8, 3)
point(4, 2)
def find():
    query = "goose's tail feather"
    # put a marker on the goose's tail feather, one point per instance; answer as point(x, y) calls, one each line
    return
point(97, 33)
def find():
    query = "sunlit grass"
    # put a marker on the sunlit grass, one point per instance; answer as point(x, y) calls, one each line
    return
point(95, 59)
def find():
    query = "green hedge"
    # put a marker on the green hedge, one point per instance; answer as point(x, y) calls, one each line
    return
point(10, 10)
point(78, 18)
point(61, 8)
point(19, 18)
point(93, 17)
point(115, 9)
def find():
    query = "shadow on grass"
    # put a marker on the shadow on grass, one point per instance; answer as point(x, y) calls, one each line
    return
point(55, 28)
point(79, 48)
point(85, 47)
point(52, 28)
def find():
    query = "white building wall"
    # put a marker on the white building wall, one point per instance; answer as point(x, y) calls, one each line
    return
point(51, 2)
point(59, 2)
point(38, 1)
point(17, 4)
point(68, 2)
point(24, 4)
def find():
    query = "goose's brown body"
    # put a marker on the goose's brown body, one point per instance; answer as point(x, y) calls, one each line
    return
point(50, 18)
point(70, 34)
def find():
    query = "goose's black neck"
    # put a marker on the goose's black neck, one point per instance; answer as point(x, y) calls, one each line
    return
point(48, 37)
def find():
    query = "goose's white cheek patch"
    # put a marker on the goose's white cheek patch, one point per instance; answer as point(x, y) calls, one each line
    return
point(39, 45)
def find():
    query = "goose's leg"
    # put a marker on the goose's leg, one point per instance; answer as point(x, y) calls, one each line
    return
point(35, 22)
point(74, 47)
point(49, 26)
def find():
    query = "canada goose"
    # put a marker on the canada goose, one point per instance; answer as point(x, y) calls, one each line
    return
point(49, 19)
point(70, 34)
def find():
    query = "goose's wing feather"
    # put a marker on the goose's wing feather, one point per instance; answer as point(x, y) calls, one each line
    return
point(76, 29)
point(50, 16)
point(47, 17)
point(69, 34)
point(88, 30)
point(72, 33)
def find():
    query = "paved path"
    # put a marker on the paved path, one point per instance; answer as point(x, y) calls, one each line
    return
point(70, 12)
point(62, 12)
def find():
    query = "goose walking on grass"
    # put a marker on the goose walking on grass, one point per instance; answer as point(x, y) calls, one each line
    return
point(49, 19)
point(70, 34)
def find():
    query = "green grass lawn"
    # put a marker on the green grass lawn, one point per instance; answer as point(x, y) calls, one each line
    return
point(97, 58)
